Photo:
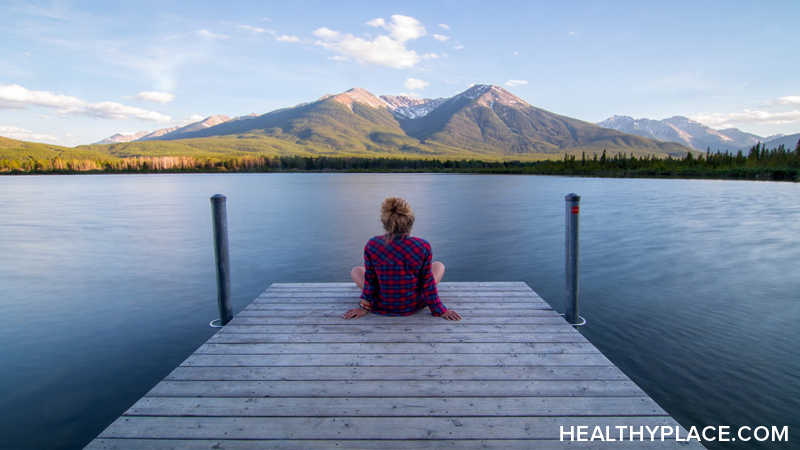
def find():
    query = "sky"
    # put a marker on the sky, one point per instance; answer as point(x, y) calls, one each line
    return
point(76, 72)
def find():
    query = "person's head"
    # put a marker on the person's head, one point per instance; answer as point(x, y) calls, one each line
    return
point(397, 217)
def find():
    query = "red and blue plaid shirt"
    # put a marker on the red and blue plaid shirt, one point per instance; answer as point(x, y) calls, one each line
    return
point(398, 280)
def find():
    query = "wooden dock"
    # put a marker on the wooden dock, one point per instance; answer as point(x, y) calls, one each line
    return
point(289, 373)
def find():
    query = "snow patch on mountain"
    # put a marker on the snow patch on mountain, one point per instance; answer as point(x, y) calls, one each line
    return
point(683, 131)
point(409, 107)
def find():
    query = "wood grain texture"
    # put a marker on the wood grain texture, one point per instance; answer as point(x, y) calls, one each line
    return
point(290, 373)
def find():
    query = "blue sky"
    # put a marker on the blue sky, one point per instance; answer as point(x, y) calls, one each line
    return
point(76, 72)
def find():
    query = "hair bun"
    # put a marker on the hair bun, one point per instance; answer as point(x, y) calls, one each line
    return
point(396, 216)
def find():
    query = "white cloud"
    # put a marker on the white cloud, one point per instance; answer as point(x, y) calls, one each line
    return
point(118, 111)
point(22, 134)
point(339, 58)
point(192, 119)
point(515, 53)
point(440, 37)
point(327, 34)
point(210, 35)
point(377, 23)
point(255, 30)
point(458, 47)
point(157, 97)
point(443, 26)
point(430, 56)
point(514, 83)
point(793, 100)
point(17, 98)
point(383, 50)
point(718, 120)
point(413, 84)
point(286, 38)
point(404, 28)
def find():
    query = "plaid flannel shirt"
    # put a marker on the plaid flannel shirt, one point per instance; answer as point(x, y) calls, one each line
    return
point(398, 278)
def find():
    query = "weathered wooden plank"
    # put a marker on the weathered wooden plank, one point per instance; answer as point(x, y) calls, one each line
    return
point(267, 338)
point(367, 427)
point(424, 388)
point(444, 284)
point(383, 348)
point(339, 359)
point(365, 444)
point(422, 324)
point(395, 407)
point(351, 302)
point(386, 323)
point(378, 373)
point(469, 294)
point(535, 314)
point(289, 372)
point(356, 294)
point(475, 303)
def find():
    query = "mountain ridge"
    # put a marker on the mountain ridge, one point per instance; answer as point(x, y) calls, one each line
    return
point(684, 131)
point(484, 121)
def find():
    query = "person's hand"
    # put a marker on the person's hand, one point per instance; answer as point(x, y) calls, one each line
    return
point(354, 313)
point(451, 315)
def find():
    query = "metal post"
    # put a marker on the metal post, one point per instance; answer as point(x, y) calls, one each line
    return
point(222, 259)
point(572, 258)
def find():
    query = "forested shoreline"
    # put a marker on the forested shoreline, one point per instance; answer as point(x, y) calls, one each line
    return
point(759, 163)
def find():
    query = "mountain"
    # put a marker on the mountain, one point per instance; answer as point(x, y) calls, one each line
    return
point(773, 137)
point(482, 122)
point(488, 119)
point(790, 142)
point(178, 133)
point(683, 131)
point(159, 133)
point(123, 137)
point(174, 132)
point(411, 108)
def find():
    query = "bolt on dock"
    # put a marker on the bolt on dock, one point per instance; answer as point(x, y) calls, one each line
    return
point(289, 373)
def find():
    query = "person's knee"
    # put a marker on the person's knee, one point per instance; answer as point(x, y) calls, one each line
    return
point(438, 265)
point(357, 273)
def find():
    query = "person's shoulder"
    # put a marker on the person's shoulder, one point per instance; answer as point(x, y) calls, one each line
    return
point(376, 241)
point(420, 242)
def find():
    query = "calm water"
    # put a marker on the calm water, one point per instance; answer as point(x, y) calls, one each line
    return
point(107, 282)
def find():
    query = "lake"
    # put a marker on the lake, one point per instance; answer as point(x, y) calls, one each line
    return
point(107, 281)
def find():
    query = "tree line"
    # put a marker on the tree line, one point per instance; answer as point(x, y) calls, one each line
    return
point(759, 163)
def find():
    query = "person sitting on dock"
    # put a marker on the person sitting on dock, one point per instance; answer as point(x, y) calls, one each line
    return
point(398, 278)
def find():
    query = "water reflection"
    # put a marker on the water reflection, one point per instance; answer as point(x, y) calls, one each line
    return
point(108, 283)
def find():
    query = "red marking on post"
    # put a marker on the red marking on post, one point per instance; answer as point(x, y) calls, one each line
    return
point(575, 209)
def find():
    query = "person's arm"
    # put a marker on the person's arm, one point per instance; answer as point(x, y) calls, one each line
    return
point(428, 287)
point(431, 294)
point(371, 289)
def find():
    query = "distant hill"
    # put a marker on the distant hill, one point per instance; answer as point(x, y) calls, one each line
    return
point(789, 142)
point(12, 149)
point(123, 137)
point(484, 121)
point(683, 131)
